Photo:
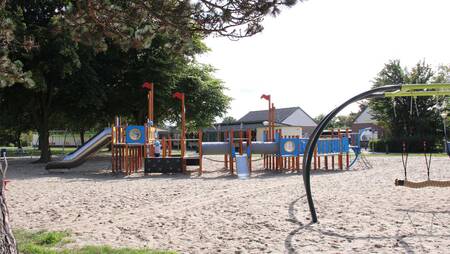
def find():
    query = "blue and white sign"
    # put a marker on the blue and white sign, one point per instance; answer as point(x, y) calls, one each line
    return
point(135, 134)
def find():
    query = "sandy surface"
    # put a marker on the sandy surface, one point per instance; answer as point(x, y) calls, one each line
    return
point(359, 210)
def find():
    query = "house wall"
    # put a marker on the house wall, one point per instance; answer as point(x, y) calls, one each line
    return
point(299, 118)
point(285, 131)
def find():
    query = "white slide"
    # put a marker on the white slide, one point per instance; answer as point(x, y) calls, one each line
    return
point(80, 155)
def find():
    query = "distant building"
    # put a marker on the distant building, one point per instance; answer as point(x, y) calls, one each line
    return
point(365, 120)
point(292, 121)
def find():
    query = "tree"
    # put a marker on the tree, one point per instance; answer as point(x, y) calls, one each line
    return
point(42, 37)
point(170, 72)
point(339, 122)
point(406, 117)
point(15, 113)
point(11, 71)
point(228, 120)
point(135, 23)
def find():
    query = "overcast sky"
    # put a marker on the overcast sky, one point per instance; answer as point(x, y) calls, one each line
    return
point(321, 52)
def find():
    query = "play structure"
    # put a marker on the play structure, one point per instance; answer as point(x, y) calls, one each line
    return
point(137, 147)
point(391, 91)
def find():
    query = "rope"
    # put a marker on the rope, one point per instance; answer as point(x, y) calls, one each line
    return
point(417, 109)
point(411, 107)
point(427, 158)
point(209, 159)
point(405, 158)
point(418, 185)
point(258, 159)
point(394, 104)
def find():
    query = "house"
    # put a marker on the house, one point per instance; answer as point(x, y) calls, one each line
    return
point(292, 122)
point(366, 120)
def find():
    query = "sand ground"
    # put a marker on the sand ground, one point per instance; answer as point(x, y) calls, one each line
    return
point(359, 210)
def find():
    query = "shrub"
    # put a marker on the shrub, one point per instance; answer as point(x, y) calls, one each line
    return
point(414, 144)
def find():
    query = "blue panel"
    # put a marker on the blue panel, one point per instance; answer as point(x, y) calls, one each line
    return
point(302, 145)
point(289, 146)
point(135, 134)
point(345, 145)
point(277, 137)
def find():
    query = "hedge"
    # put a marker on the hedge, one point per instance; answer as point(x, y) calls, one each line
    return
point(414, 145)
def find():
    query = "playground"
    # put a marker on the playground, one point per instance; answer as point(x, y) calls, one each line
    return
point(360, 209)
point(144, 127)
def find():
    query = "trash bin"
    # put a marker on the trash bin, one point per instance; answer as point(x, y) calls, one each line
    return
point(3, 152)
point(242, 167)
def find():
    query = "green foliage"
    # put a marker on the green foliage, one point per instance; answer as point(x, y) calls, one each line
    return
point(78, 86)
point(414, 144)
point(405, 117)
point(229, 119)
point(135, 23)
point(339, 122)
point(45, 242)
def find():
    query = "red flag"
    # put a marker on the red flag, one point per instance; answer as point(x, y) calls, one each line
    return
point(178, 95)
point(264, 96)
point(147, 85)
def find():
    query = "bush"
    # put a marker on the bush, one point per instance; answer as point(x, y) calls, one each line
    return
point(414, 145)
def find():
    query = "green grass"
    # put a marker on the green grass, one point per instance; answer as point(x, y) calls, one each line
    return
point(30, 151)
point(399, 154)
point(46, 242)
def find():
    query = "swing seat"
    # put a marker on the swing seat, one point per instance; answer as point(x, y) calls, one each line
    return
point(418, 185)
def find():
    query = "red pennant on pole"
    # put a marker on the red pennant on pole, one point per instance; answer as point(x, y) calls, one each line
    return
point(264, 96)
point(178, 95)
point(147, 85)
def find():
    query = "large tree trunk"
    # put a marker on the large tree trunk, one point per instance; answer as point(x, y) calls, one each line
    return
point(42, 118)
point(44, 144)
point(82, 131)
point(17, 137)
point(7, 241)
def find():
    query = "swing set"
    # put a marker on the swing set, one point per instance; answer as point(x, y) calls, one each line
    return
point(412, 91)
point(390, 91)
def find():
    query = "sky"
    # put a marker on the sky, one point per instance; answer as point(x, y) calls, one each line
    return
point(320, 53)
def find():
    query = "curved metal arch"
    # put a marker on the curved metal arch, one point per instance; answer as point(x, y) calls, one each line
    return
point(309, 150)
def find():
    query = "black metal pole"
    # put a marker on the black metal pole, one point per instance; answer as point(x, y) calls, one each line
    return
point(309, 150)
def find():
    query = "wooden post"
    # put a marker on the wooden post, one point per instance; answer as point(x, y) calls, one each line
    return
point(347, 156)
point(150, 103)
point(200, 152)
point(126, 159)
point(240, 142)
point(183, 127)
point(170, 145)
point(249, 149)
point(113, 163)
point(273, 122)
point(231, 151)
point(163, 141)
point(225, 156)
point(332, 156)
point(340, 150)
